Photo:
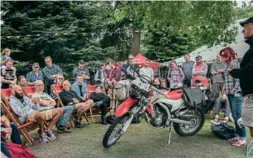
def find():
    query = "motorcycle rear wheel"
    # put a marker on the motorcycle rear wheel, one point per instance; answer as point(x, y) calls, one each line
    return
point(197, 124)
point(115, 130)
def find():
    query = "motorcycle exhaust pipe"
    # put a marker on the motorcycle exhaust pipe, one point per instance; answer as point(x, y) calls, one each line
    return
point(180, 121)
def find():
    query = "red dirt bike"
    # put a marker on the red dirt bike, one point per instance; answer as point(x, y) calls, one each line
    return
point(162, 109)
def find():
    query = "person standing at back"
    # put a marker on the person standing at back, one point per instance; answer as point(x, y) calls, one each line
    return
point(175, 76)
point(245, 74)
point(5, 55)
point(199, 70)
point(8, 74)
point(82, 70)
point(147, 71)
point(34, 75)
point(187, 69)
point(218, 68)
point(50, 71)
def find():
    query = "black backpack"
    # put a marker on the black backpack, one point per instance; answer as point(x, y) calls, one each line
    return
point(223, 131)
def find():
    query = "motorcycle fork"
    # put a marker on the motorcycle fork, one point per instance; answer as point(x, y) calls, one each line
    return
point(169, 137)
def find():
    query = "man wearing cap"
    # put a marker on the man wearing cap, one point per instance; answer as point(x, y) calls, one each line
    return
point(34, 75)
point(199, 70)
point(82, 70)
point(50, 71)
point(245, 74)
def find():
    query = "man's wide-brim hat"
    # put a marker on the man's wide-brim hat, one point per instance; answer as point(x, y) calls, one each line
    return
point(249, 20)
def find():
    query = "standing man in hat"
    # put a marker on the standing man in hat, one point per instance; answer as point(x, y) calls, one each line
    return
point(82, 70)
point(245, 74)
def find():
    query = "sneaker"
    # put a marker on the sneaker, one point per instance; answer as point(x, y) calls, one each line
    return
point(43, 139)
point(225, 120)
point(64, 129)
point(232, 140)
point(78, 125)
point(239, 143)
point(50, 135)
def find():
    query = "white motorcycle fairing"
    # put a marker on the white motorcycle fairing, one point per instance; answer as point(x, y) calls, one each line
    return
point(175, 104)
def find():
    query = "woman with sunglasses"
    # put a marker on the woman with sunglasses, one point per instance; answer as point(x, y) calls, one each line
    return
point(34, 75)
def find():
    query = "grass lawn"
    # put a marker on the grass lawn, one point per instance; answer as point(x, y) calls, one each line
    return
point(139, 141)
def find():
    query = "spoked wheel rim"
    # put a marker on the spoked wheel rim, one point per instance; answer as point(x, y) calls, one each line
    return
point(118, 130)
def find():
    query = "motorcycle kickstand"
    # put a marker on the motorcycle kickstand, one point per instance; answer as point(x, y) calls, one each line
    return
point(169, 138)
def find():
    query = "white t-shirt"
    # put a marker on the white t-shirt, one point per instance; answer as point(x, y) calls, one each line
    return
point(43, 96)
point(147, 72)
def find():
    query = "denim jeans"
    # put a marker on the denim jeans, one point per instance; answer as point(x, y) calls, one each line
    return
point(218, 106)
point(15, 138)
point(63, 121)
point(236, 109)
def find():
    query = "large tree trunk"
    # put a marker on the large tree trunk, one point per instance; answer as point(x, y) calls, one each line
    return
point(136, 42)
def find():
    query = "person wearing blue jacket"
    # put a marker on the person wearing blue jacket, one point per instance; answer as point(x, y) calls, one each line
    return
point(80, 87)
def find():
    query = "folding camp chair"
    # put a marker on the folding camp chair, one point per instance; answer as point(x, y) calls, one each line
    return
point(57, 89)
point(29, 90)
point(23, 128)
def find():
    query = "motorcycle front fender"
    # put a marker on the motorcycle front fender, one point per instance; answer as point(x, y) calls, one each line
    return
point(125, 106)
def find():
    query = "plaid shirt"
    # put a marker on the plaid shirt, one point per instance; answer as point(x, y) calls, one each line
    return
point(175, 76)
point(31, 76)
point(51, 71)
point(232, 85)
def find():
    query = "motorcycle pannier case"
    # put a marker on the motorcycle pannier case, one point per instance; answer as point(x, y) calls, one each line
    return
point(122, 90)
point(193, 96)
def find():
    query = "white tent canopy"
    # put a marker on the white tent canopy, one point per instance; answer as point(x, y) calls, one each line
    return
point(209, 54)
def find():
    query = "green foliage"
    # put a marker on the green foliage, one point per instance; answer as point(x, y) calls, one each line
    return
point(162, 44)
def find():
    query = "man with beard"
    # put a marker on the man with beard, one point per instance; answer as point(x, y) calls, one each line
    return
point(27, 110)
point(245, 74)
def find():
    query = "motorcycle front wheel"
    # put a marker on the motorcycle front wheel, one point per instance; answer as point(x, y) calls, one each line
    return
point(117, 129)
point(196, 124)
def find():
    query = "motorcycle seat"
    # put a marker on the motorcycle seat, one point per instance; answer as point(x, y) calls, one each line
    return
point(174, 95)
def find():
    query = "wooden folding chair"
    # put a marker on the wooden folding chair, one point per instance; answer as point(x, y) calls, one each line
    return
point(23, 128)
point(57, 89)
point(29, 90)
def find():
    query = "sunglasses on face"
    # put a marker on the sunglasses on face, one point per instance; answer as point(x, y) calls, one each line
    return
point(36, 67)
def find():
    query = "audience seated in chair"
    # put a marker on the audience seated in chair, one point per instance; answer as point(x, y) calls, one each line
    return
point(22, 81)
point(47, 103)
point(27, 110)
point(70, 98)
point(102, 102)
point(8, 131)
point(80, 87)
